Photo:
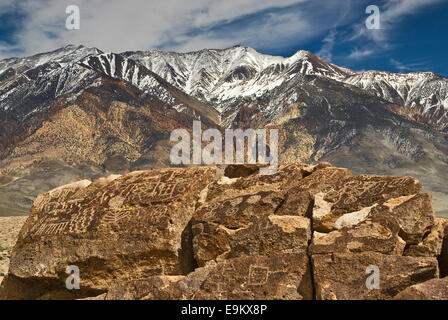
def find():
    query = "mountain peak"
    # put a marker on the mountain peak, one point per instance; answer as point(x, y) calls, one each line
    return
point(300, 54)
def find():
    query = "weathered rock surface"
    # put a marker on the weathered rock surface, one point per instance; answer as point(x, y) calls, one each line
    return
point(379, 234)
point(305, 232)
point(434, 289)
point(354, 194)
point(240, 217)
point(414, 213)
point(9, 230)
point(431, 245)
point(124, 227)
point(284, 276)
point(443, 258)
point(342, 276)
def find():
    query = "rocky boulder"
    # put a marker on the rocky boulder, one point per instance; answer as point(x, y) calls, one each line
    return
point(305, 232)
point(414, 213)
point(378, 234)
point(357, 196)
point(443, 257)
point(431, 244)
point(345, 276)
point(434, 289)
point(123, 227)
point(278, 277)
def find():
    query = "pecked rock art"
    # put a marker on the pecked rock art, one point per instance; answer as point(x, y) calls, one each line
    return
point(342, 276)
point(278, 277)
point(305, 232)
point(123, 227)
point(354, 193)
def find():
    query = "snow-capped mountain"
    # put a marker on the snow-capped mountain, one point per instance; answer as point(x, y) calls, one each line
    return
point(221, 76)
point(117, 67)
point(30, 84)
point(422, 96)
point(63, 56)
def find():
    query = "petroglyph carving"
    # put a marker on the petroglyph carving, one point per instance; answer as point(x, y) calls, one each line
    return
point(258, 275)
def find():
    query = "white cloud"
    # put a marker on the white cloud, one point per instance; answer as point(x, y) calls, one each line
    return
point(181, 25)
point(326, 51)
point(401, 67)
point(395, 10)
point(358, 54)
point(116, 25)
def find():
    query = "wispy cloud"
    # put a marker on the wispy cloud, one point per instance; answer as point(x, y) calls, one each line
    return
point(391, 14)
point(377, 41)
point(358, 54)
point(267, 30)
point(116, 25)
point(401, 67)
point(328, 43)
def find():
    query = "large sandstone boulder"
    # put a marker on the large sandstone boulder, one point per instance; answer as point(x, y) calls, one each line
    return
point(414, 213)
point(343, 276)
point(125, 227)
point(357, 196)
point(270, 235)
point(378, 234)
point(434, 289)
point(240, 216)
point(431, 245)
point(278, 277)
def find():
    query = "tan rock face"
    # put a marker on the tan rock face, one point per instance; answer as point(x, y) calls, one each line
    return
point(357, 196)
point(9, 230)
point(443, 258)
point(415, 215)
point(431, 245)
point(379, 234)
point(129, 227)
point(308, 231)
point(342, 276)
point(284, 276)
point(241, 217)
point(434, 289)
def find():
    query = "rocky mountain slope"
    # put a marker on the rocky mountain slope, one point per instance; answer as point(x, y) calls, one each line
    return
point(420, 96)
point(216, 76)
point(80, 113)
point(306, 232)
point(219, 75)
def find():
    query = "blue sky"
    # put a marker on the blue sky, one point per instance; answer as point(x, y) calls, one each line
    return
point(413, 34)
